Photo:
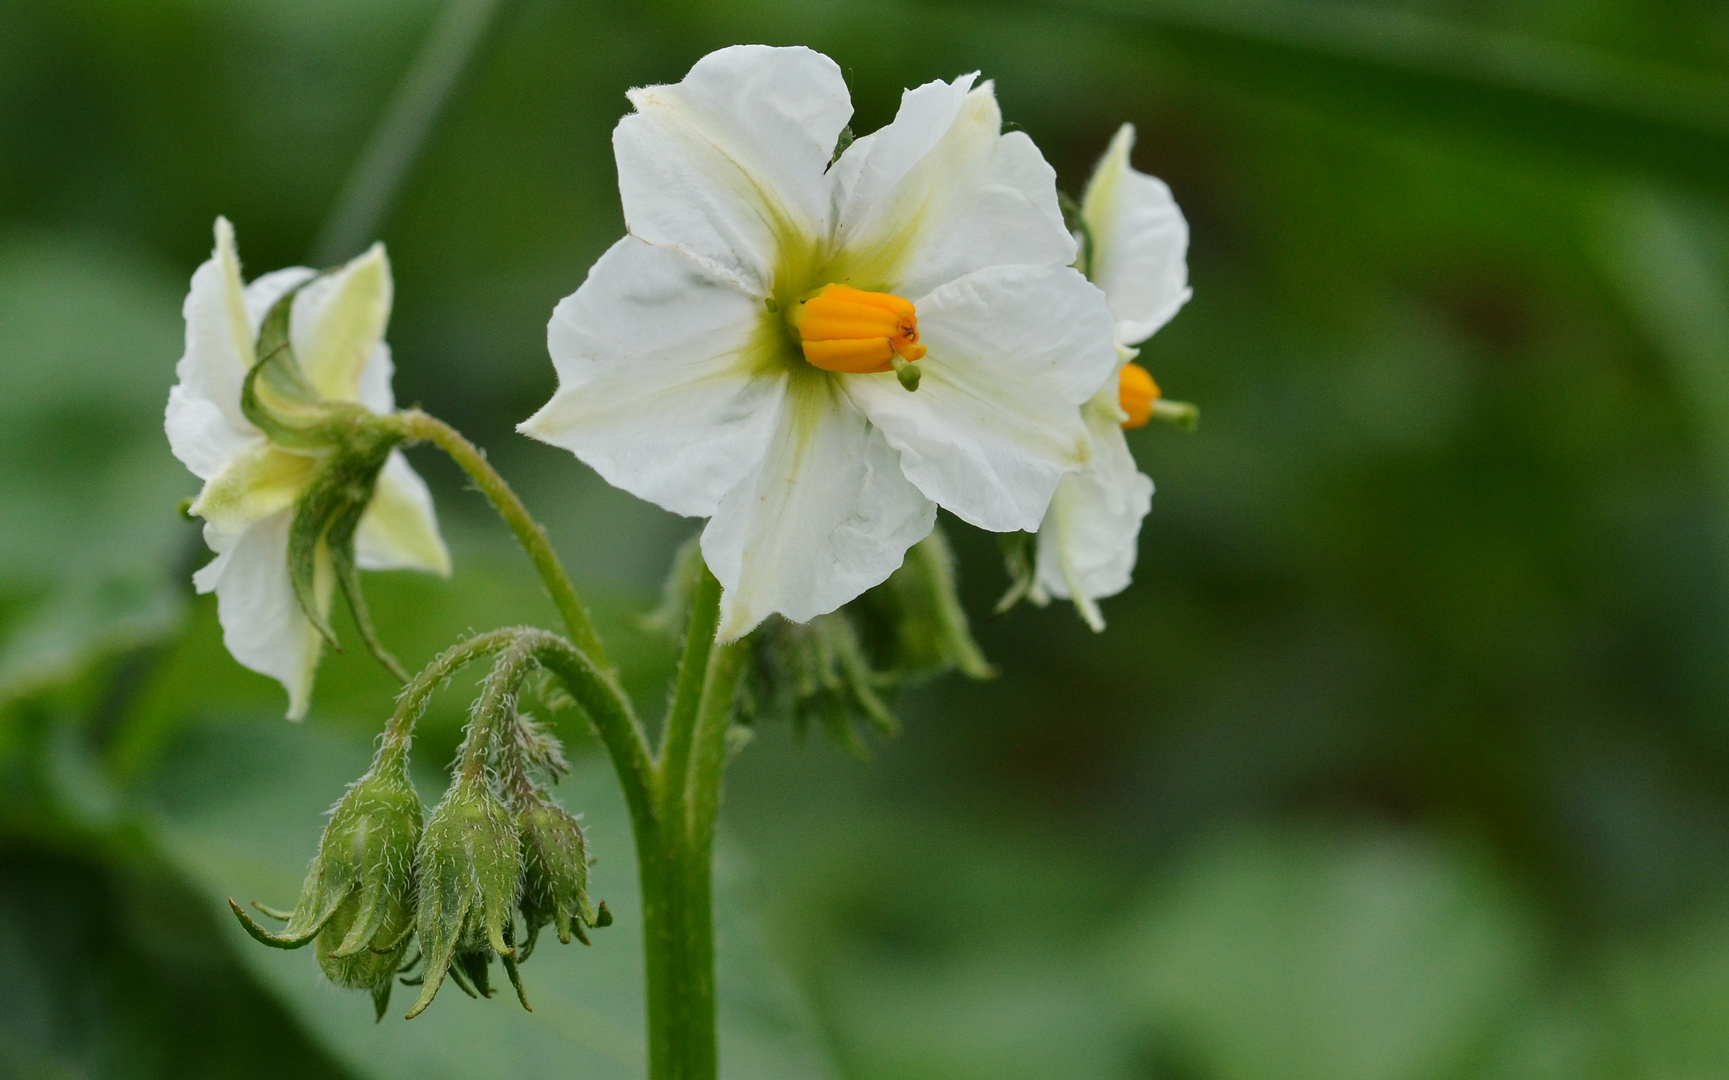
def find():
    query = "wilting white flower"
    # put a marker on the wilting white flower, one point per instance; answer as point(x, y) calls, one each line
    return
point(1138, 255)
point(336, 330)
point(744, 353)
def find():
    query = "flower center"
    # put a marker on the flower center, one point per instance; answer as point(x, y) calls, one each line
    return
point(1136, 392)
point(849, 330)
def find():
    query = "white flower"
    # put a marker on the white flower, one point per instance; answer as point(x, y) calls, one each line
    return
point(712, 364)
point(1138, 255)
point(336, 328)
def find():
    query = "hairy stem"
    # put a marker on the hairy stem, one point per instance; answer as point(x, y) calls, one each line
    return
point(497, 704)
point(529, 533)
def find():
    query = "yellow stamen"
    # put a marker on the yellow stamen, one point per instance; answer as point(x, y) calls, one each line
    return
point(1136, 392)
point(849, 330)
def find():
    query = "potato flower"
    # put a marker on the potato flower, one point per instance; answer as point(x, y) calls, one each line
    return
point(815, 350)
point(253, 486)
point(1137, 248)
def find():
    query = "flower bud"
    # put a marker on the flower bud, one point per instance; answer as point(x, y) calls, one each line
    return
point(358, 899)
point(468, 867)
point(554, 875)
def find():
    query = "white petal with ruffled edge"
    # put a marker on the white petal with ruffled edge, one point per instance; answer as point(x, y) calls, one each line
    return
point(994, 424)
point(826, 516)
point(1140, 242)
point(728, 164)
point(942, 192)
point(399, 530)
point(262, 624)
point(1087, 541)
point(669, 377)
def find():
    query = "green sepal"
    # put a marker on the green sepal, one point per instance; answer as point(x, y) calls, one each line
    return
point(512, 968)
point(468, 865)
point(265, 937)
point(1019, 562)
point(365, 969)
point(326, 518)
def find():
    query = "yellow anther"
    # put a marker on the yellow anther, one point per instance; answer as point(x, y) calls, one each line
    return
point(849, 330)
point(1136, 392)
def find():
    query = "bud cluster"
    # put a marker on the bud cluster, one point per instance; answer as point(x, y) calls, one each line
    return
point(497, 861)
point(839, 671)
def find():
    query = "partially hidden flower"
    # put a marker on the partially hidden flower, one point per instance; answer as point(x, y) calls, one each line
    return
point(815, 350)
point(369, 504)
point(1136, 250)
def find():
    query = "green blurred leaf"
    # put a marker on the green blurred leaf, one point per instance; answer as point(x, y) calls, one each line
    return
point(1328, 957)
point(1361, 63)
point(107, 971)
point(239, 807)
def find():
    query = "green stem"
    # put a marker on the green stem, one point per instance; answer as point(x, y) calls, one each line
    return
point(497, 704)
point(681, 717)
point(399, 731)
point(674, 797)
point(678, 859)
point(529, 533)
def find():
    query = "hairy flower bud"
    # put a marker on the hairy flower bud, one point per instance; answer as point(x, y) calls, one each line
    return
point(469, 864)
point(358, 899)
point(554, 875)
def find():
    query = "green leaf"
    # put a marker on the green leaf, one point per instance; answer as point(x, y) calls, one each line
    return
point(238, 808)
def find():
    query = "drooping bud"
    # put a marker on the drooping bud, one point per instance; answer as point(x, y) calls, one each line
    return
point(468, 867)
point(554, 875)
point(836, 670)
point(359, 896)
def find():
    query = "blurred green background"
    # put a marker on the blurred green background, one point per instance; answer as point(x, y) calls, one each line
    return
point(1406, 757)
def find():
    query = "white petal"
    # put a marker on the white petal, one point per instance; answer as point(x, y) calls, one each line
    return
point(338, 322)
point(728, 165)
point(670, 377)
point(263, 293)
point(375, 390)
point(826, 516)
point(206, 422)
point(262, 623)
point(1140, 242)
point(201, 434)
point(1088, 539)
point(941, 192)
point(399, 530)
point(995, 423)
